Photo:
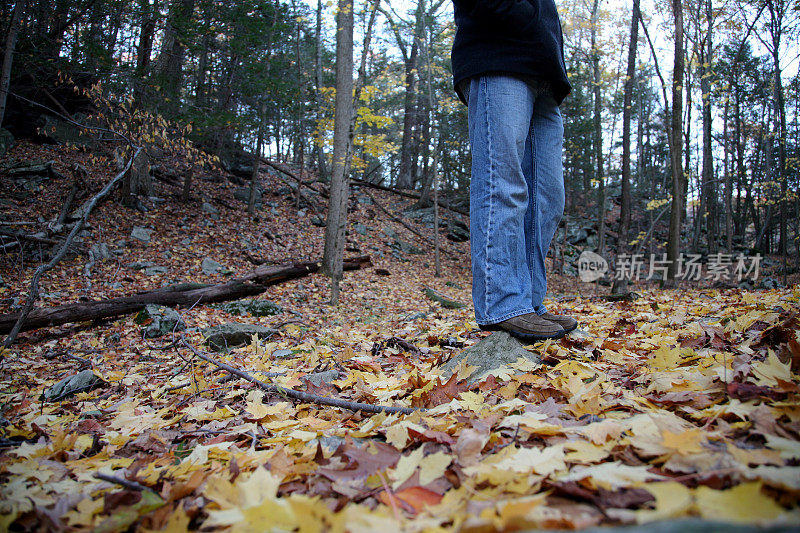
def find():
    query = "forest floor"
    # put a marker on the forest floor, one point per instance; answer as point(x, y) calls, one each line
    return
point(680, 403)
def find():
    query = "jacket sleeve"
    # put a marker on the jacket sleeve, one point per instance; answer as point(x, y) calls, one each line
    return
point(509, 13)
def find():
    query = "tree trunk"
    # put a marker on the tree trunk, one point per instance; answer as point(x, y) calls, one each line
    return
point(323, 172)
point(676, 134)
point(251, 200)
point(250, 284)
point(8, 55)
point(169, 66)
point(405, 176)
point(709, 192)
point(598, 132)
point(144, 50)
point(339, 188)
point(620, 286)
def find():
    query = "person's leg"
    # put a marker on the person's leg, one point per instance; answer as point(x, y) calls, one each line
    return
point(547, 189)
point(500, 111)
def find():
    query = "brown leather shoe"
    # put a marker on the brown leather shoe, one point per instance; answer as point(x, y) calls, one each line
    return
point(529, 327)
point(567, 323)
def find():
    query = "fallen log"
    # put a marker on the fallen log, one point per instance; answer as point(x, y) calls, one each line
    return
point(187, 294)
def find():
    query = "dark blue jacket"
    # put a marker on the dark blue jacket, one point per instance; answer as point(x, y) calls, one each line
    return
point(517, 37)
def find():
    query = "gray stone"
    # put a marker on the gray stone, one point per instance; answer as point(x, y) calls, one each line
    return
point(140, 233)
point(209, 266)
point(243, 194)
point(80, 382)
point(326, 376)
point(457, 231)
point(64, 132)
point(769, 283)
point(162, 320)
point(6, 141)
point(208, 208)
point(99, 252)
point(186, 241)
point(252, 307)
point(155, 270)
point(282, 354)
point(330, 443)
point(140, 265)
point(318, 221)
point(365, 200)
point(495, 351)
point(233, 334)
point(360, 228)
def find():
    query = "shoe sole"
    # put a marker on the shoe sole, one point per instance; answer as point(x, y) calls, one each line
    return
point(524, 336)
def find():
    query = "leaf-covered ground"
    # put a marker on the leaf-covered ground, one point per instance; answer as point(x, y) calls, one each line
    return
point(678, 403)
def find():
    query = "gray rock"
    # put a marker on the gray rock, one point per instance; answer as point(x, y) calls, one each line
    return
point(186, 241)
point(282, 354)
point(457, 231)
point(243, 194)
point(99, 252)
point(326, 376)
point(769, 283)
point(318, 221)
point(496, 350)
point(252, 307)
point(64, 132)
point(233, 334)
point(365, 200)
point(210, 209)
point(330, 443)
point(6, 141)
point(209, 266)
point(140, 233)
point(140, 265)
point(155, 270)
point(360, 228)
point(80, 382)
point(162, 320)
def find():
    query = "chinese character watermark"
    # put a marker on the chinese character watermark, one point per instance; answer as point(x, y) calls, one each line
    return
point(718, 267)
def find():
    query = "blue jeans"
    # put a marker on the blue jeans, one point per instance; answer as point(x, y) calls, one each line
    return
point(516, 194)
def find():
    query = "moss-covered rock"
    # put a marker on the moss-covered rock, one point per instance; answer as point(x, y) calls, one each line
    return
point(232, 334)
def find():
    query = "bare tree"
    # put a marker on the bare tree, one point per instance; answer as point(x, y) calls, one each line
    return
point(8, 55)
point(339, 188)
point(620, 286)
point(675, 144)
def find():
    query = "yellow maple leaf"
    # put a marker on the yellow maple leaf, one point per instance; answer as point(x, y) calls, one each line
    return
point(672, 500)
point(769, 371)
point(684, 442)
point(743, 503)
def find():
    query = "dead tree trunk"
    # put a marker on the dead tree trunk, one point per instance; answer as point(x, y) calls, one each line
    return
point(250, 284)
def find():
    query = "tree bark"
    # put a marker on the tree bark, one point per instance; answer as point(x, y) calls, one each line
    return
point(676, 134)
point(8, 55)
point(708, 188)
point(250, 284)
point(621, 286)
point(405, 176)
point(340, 189)
point(598, 131)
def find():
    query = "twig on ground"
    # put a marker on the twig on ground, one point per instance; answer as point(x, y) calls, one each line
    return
point(298, 395)
point(132, 485)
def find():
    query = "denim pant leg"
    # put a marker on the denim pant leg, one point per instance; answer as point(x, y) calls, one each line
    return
point(543, 168)
point(500, 117)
